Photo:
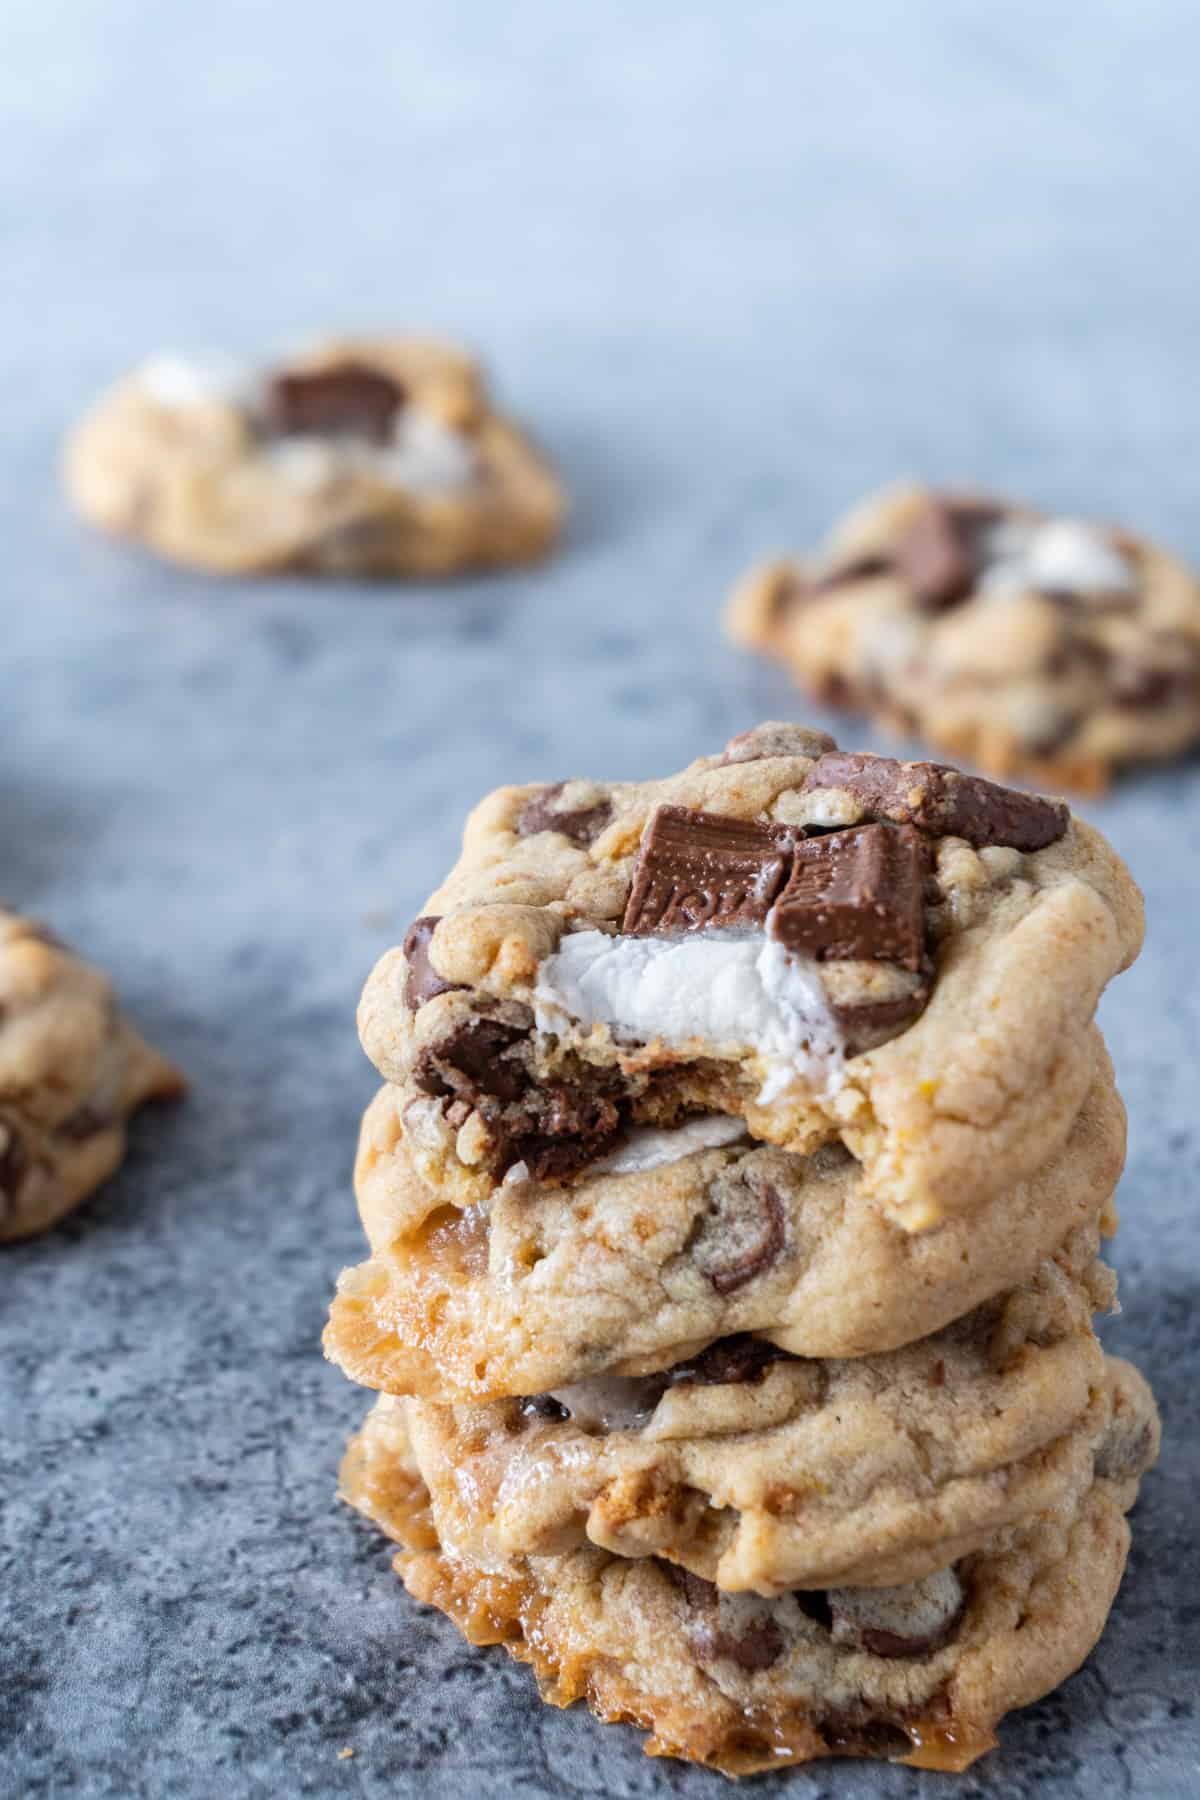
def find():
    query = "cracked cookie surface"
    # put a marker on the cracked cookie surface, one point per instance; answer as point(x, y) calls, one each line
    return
point(369, 456)
point(922, 1674)
point(629, 1272)
point(831, 946)
point(72, 1070)
point(1033, 646)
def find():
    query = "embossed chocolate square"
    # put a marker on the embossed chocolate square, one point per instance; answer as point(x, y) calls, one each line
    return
point(698, 871)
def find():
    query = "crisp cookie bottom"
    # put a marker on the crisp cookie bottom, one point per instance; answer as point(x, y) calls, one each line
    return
point(614, 1633)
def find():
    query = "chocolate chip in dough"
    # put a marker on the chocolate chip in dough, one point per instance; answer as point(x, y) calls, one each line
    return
point(742, 1234)
point(582, 824)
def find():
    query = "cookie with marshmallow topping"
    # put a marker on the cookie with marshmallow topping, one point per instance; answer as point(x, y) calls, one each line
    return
point(1045, 647)
point(367, 456)
point(829, 946)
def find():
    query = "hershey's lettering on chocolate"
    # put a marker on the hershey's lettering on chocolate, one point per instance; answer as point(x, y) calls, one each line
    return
point(699, 871)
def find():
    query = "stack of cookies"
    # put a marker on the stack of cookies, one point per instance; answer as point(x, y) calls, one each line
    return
point(734, 1204)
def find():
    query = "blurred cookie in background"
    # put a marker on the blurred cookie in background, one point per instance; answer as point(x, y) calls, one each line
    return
point(371, 456)
point(1040, 647)
point(72, 1071)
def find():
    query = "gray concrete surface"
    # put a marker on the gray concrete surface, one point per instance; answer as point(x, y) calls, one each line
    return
point(735, 264)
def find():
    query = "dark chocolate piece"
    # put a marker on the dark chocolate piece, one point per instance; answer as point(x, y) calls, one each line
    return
point(941, 801)
point(743, 1233)
point(423, 982)
point(581, 824)
point(699, 870)
point(571, 1128)
point(349, 400)
point(736, 1628)
point(872, 1022)
point(474, 1061)
point(736, 1359)
point(937, 552)
point(856, 895)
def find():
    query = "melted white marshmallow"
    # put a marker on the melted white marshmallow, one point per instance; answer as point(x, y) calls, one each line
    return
point(607, 1402)
point(723, 991)
point(423, 457)
point(186, 381)
point(1064, 554)
point(650, 1146)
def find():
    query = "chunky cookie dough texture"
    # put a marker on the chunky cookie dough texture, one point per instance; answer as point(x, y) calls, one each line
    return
point(360, 456)
point(762, 1472)
point(832, 947)
point(921, 1673)
point(1043, 647)
point(629, 1272)
point(72, 1070)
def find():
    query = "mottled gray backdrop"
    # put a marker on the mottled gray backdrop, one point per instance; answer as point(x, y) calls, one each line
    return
point(735, 263)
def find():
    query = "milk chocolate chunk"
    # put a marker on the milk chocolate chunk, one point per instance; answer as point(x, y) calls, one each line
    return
point(698, 871)
point(737, 1628)
point(475, 1060)
point(856, 895)
point(937, 553)
point(347, 401)
point(423, 981)
point(902, 1621)
point(742, 1235)
point(739, 1359)
point(582, 824)
point(941, 801)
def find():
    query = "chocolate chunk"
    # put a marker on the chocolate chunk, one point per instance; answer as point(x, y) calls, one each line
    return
point(736, 1628)
point(1135, 685)
point(14, 1166)
point(736, 1359)
point(423, 982)
point(348, 400)
point(936, 554)
point(856, 895)
point(475, 1060)
point(913, 1620)
point(742, 1234)
point(582, 824)
point(941, 801)
point(544, 1406)
point(776, 739)
point(571, 1128)
point(872, 1022)
point(699, 870)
